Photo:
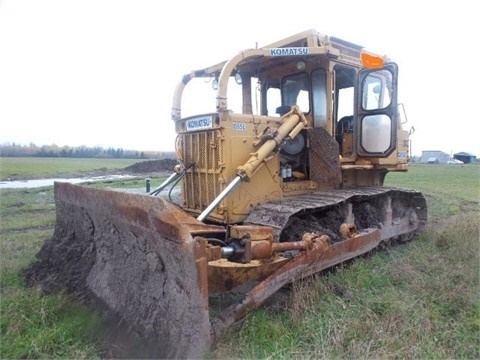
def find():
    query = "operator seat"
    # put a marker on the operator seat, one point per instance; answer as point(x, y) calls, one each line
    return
point(344, 126)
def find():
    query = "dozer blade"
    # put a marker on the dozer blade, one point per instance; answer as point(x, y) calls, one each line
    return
point(132, 257)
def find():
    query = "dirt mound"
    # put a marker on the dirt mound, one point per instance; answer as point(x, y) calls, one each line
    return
point(152, 166)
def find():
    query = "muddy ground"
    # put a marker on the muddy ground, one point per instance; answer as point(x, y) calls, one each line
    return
point(144, 168)
point(152, 166)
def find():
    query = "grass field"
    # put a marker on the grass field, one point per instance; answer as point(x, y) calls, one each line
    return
point(417, 300)
point(37, 167)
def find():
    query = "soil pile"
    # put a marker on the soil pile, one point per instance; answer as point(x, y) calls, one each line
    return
point(152, 166)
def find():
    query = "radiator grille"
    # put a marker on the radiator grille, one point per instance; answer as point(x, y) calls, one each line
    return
point(201, 185)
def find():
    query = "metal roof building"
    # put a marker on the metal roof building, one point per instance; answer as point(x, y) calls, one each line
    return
point(434, 157)
point(466, 158)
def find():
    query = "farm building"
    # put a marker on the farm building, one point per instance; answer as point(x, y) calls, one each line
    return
point(434, 157)
point(466, 158)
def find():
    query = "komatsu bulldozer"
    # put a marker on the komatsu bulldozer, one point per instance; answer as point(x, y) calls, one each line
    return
point(282, 155)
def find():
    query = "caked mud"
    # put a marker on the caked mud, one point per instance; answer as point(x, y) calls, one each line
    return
point(108, 252)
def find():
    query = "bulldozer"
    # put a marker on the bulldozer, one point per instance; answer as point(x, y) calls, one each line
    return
point(282, 152)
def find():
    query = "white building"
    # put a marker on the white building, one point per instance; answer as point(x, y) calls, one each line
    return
point(434, 157)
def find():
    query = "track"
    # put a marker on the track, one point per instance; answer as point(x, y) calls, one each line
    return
point(399, 213)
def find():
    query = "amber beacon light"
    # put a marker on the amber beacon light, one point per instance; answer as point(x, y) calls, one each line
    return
point(372, 61)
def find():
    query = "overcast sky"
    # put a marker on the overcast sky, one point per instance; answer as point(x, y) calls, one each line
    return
point(103, 72)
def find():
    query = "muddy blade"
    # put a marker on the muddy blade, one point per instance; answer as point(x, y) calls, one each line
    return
point(129, 255)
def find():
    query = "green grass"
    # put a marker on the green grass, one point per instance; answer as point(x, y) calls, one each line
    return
point(420, 300)
point(454, 181)
point(449, 189)
point(35, 326)
point(32, 325)
point(417, 300)
point(37, 167)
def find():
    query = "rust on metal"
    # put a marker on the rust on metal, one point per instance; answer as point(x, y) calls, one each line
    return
point(348, 230)
point(224, 275)
point(254, 232)
point(322, 256)
point(201, 262)
point(213, 252)
point(262, 249)
point(292, 245)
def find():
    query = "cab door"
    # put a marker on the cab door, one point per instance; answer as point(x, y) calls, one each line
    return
point(376, 111)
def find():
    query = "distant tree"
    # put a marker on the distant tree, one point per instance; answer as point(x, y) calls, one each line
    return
point(53, 150)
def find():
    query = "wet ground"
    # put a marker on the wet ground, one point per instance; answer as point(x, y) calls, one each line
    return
point(145, 168)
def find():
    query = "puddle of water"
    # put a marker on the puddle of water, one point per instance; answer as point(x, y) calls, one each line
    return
point(19, 184)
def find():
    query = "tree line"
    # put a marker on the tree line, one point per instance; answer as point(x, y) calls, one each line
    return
point(32, 150)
